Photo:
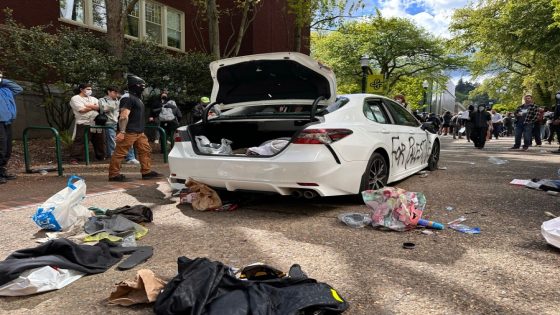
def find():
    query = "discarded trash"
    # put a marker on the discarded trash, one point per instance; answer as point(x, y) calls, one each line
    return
point(43, 172)
point(497, 161)
point(205, 146)
point(457, 221)
point(355, 220)
point(462, 130)
point(226, 207)
point(449, 208)
point(427, 232)
point(395, 208)
point(145, 288)
point(431, 224)
point(442, 168)
point(465, 229)
point(62, 210)
point(553, 193)
point(519, 182)
point(408, 245)
point(206, 197)
point(550, 214)
point(423, 175)
point(550, 230)
point(39, 280)
point(270, 147)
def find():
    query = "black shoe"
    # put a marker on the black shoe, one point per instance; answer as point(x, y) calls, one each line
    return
point(118, 178)
point(151, 175)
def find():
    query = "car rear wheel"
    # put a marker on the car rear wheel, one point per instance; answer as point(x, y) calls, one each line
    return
point(377, 173)
point(434, 157)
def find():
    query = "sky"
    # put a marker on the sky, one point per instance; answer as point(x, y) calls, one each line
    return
point(433, 15)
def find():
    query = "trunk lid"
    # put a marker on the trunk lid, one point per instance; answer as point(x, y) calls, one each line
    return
point(271, 79)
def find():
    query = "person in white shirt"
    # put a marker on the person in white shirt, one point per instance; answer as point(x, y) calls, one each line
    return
point(497, 123)
point(85, 108)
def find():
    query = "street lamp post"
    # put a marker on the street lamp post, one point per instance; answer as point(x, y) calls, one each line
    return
point(364, 62)
point(425, 86)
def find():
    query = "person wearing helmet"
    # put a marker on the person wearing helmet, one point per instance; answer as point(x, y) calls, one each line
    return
point(131, 132)
point(198, 110)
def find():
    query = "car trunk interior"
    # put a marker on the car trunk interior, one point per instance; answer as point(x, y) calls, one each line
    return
point(246, 134)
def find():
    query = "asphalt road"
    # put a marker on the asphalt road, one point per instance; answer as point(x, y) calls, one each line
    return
point(507, 269)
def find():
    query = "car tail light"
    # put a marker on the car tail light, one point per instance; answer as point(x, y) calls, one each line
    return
point(181, 136)
point(321, 136)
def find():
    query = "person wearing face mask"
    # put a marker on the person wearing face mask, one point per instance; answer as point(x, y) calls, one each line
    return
point(481, 122)
point(155, 109)
point(131, 132)
point(85, 108)
point(8, 90)
point(525, 117)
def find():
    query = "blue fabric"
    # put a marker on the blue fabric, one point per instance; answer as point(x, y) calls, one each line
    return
point(525, 131)
point(8, 90)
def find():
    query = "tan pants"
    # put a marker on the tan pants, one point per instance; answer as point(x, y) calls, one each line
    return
point(143, 150)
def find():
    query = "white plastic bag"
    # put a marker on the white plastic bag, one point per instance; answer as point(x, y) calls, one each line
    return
point(551, 231)
point(40, 280)
point(62, 210)
point(205, 146)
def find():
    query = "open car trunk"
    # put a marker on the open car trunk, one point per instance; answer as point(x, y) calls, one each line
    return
point(247, 133)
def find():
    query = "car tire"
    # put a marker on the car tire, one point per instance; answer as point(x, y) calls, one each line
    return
point(376, 173)
point(433, 160)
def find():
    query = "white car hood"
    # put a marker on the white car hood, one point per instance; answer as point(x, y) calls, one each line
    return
point(275, 78)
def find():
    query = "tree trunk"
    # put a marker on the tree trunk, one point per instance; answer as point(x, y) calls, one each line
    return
point(242, 26)
point(116, 15)
point(213, 28)
point(297, 37)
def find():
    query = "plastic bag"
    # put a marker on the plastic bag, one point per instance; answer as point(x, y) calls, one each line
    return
point(270, 147)
point(355, 220)
point(206, 197)
point(39, 280)
point(205, 146)
point(551, 231)
point(395, 208)
point(62, 210)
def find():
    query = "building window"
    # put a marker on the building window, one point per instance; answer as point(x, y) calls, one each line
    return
point(174, 29)
point(73, 10)
point(147, 19)
point(132, 26)
point(153, 22)
point(99, 14)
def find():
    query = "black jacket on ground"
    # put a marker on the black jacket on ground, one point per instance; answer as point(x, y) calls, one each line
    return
point(207, 287)
point(60, 253)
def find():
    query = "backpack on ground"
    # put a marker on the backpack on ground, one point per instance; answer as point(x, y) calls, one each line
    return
point(166, 114)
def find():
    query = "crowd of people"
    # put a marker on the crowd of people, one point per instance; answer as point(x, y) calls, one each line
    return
point(479, 124)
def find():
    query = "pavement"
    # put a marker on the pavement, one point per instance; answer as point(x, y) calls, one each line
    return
point(507, 269)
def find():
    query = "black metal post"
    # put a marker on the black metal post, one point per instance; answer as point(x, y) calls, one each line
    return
point(364, 79)
point(424, 99)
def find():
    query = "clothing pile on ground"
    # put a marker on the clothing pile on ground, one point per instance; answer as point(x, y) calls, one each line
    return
point(552, 186)
point(203, 198)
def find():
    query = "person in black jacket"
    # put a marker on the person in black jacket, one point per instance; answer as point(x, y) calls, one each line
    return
point(481, 121)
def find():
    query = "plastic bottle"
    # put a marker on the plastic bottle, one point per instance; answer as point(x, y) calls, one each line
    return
point(497, 161)
point(431, 224)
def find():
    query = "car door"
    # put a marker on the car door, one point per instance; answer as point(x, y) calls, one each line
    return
point(381, 130)
point(409, 143)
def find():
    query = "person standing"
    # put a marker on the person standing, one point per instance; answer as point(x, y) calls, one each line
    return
point(468, 122)
point(446, 122)
point(109, 104)
point(508, 124)
point(555, 125)
point(155, 109)
point(169, 117)
point(525, 115)
point(496, 123)
point(538, 127)
point(481, 122)
point(131, 132)
point(8, 111)
point(85, 108)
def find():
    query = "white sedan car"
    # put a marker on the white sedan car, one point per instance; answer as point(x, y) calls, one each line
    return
point(283, 129)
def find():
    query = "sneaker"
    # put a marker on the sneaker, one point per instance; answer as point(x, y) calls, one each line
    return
point(525, 148)
point(4, 174)
point(133, 161)
point(118, 178)
point(151, 175)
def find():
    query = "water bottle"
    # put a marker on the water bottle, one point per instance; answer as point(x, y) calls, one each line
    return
point(431, 224)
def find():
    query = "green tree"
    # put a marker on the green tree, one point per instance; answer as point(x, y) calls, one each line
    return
point(515, 41)
point(462, 90)
point(397, 49)
point(319, 14)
